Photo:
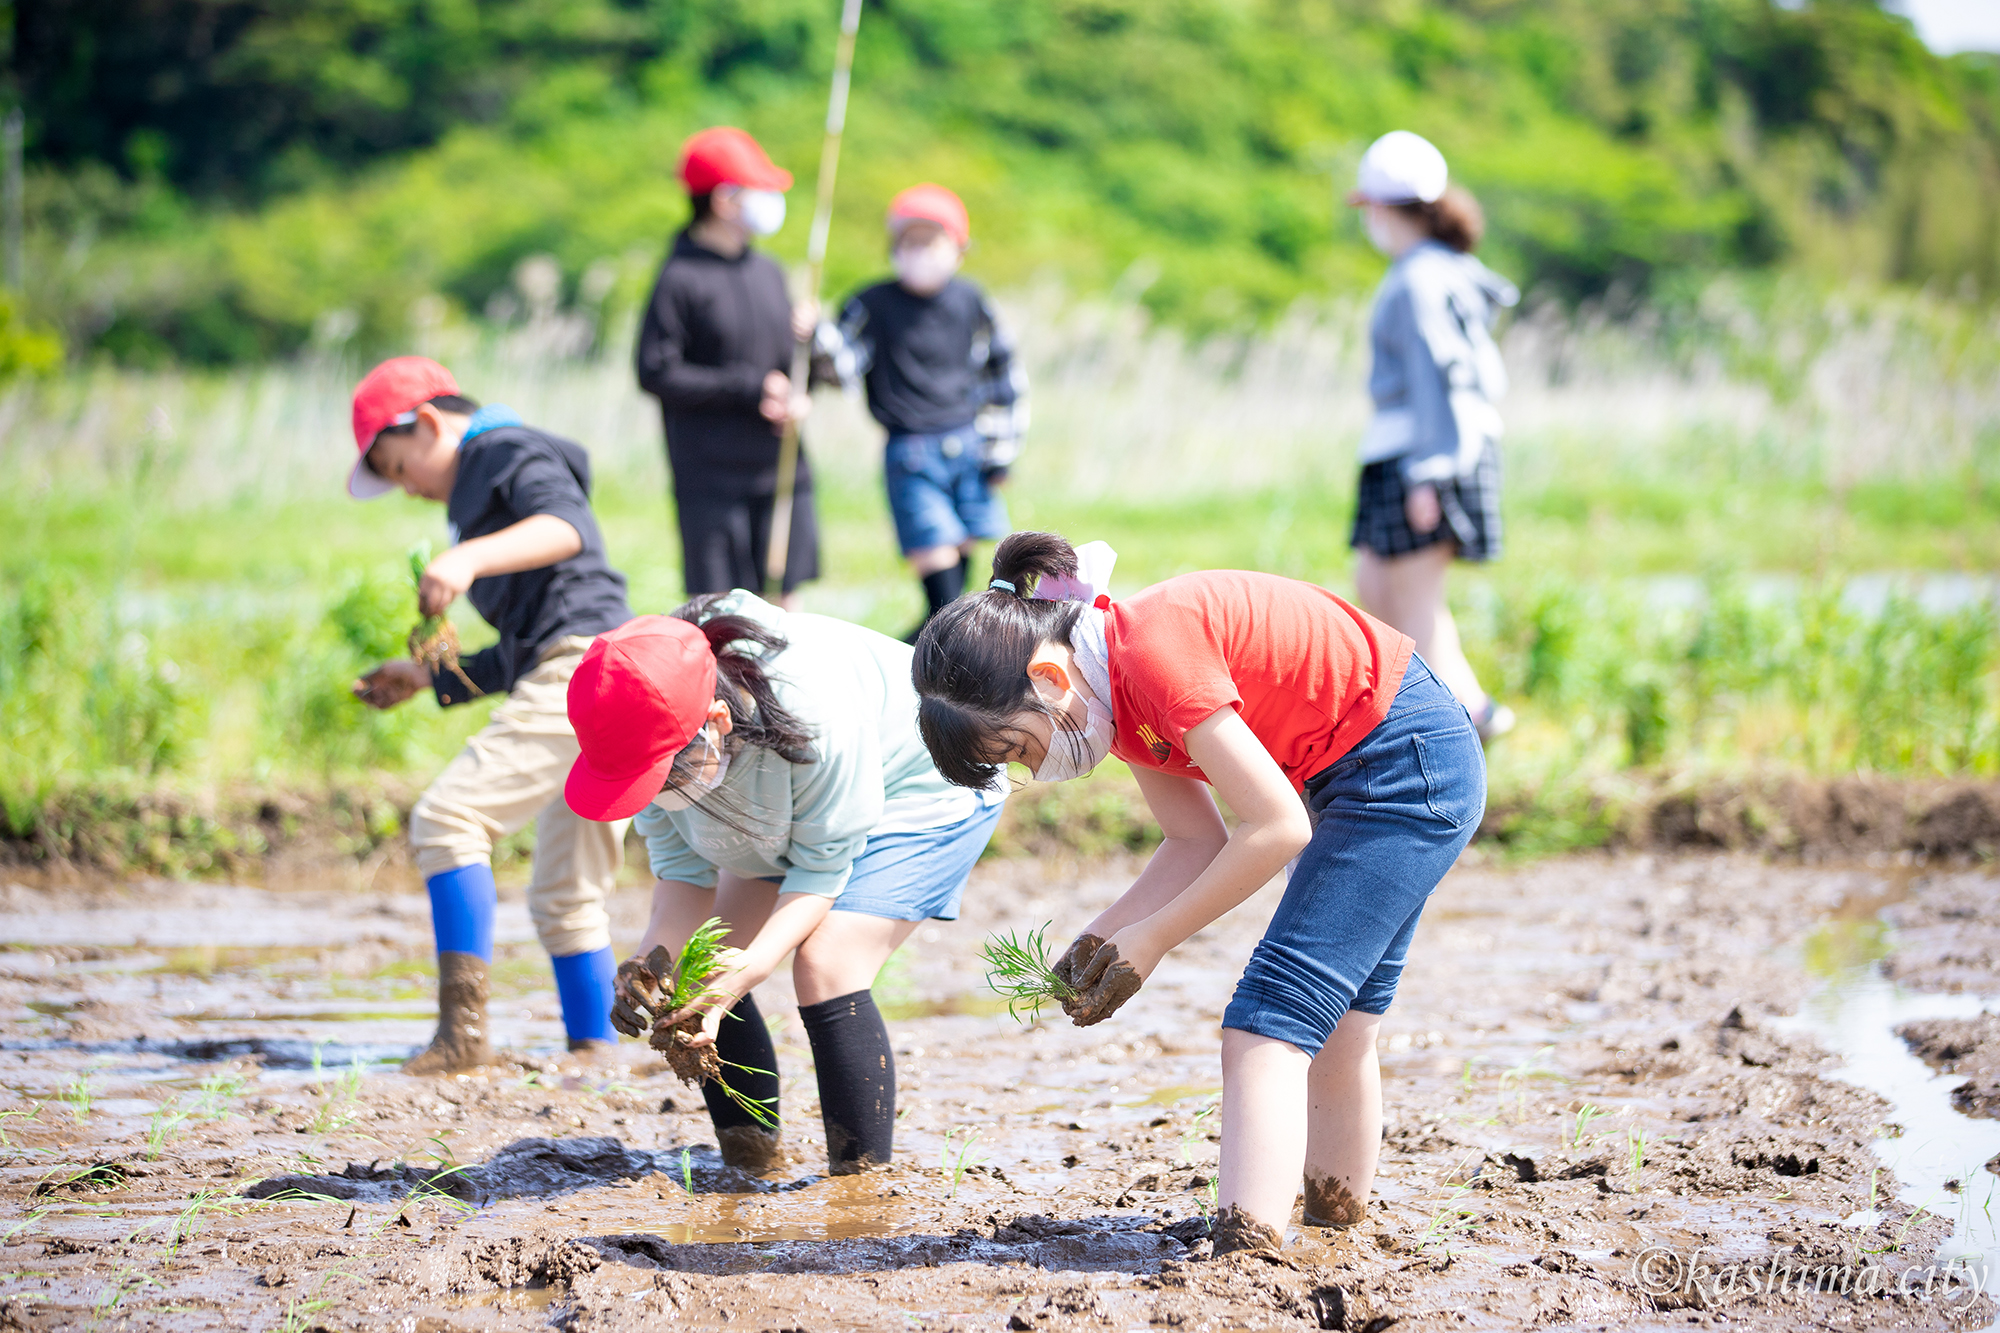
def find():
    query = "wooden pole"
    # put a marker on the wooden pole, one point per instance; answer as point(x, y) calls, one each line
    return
point(829, 166)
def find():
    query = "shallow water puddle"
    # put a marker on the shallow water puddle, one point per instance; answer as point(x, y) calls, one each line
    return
point(1854, 1013)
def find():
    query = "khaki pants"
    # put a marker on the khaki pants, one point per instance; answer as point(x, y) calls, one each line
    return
point(511, 772)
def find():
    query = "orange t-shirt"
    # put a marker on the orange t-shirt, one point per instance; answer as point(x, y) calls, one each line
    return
point(1309, 673)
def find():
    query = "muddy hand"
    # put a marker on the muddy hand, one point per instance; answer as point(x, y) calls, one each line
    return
point(1070, 967)
point(636, 992)
point(1105, 983)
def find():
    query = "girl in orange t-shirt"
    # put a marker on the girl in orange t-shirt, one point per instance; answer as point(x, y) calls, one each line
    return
point(1331, 741)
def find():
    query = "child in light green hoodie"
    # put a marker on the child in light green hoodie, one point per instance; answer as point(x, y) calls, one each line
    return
point(793, 798)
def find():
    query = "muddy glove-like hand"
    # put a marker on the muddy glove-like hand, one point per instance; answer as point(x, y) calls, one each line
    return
point(1075, 958)
point(1103, 985)
point(635, 994)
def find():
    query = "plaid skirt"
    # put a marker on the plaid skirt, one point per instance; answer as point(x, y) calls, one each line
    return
point(1471, 508)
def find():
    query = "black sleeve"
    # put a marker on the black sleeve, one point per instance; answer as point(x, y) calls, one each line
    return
point(666, 373)
point(541, 483)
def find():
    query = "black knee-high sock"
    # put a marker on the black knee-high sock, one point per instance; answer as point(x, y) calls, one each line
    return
point(857, 1080)
point(943, 586)
point(743, 1040)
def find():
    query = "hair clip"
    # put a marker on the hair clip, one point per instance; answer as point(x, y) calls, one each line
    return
point(1002, 583)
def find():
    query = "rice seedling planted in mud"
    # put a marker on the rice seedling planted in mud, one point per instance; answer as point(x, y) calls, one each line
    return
point(1019, 970)
point(955, 1157)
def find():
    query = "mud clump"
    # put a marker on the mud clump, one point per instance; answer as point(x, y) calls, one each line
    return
point(1962, 1046)
point(1236, 1230)
point(691, 1064)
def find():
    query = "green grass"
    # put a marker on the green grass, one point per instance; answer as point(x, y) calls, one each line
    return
point(186, 595)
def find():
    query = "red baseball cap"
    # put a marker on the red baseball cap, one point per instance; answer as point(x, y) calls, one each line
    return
point(725, 155)
point(639, 695)
point(932, 203)
point(389, 396)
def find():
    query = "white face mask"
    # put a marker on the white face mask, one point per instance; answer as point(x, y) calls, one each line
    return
point(925, 269)
point(687, 793)
point(763, 211)
point(1073, 754)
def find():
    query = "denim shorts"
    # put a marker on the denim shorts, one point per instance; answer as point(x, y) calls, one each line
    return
point(938, 492)
point(1389, 818)
point(911, 876)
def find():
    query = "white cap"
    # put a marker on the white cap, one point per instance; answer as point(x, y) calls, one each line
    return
point(1400, 168)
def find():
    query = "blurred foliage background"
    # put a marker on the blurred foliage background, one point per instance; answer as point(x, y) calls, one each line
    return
point(221, 181)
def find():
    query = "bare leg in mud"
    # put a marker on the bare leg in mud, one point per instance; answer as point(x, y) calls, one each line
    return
point(1344, 1125)
point(1263, 1140)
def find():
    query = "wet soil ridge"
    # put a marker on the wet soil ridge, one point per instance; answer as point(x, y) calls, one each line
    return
point(1947, 934)
point(538, 1168)
point(260, 834)
point(1969, 1046)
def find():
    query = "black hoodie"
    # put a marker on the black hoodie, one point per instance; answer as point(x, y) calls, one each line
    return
point(714, 329)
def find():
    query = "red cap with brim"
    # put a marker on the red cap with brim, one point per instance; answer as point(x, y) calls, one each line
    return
point(389, 395)
point(932, 203)
point(725, 155)
point(640, 694)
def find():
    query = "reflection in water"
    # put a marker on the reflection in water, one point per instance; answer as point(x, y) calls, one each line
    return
point(1855, 1013)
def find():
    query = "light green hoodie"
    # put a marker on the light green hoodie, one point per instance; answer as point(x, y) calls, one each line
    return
point(870, 772)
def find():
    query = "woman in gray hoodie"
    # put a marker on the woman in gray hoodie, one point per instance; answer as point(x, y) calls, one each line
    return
point(1430, 463)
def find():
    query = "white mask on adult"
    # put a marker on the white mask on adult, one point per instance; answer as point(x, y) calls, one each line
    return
point(1381, 234)
point(1073, 754)
point(763, 211)
point(925, 269)
point(703, 782)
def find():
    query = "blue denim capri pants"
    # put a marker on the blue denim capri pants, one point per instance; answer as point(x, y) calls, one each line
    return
point(1389, 818)
point(917, 875)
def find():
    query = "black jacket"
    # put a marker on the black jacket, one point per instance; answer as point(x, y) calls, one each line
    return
point(931, 363)
point(507, 474)
point(713, 330)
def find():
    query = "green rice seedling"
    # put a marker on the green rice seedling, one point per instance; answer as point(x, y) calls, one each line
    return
point(687, 1171)
point(76, 1094)
point(162, 1126)
point(955, 1158)
point(193, 1216)
point(342, 1106)
point(299, 1314)
point(434, 642)
point(1448, 1221)
point(27, 1223)
point(123, 1283)
point(1020, 971)
point(1584, 1115)
point(1197, 1132)
point(7, 1144)
point(1635, 1146)
point(216, 1098)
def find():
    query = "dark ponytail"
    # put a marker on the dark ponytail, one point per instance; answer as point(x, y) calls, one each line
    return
point(756, 717)
point(1455, 219)
point(971, 667)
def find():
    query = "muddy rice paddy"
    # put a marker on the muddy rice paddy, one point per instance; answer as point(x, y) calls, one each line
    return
point(1620, 1093)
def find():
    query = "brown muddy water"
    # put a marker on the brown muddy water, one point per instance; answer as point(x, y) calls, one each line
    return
point(1620, 1093)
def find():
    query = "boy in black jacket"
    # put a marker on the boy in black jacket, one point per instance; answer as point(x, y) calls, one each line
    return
point(942, 380)
point(527, 553)
point(715, 347)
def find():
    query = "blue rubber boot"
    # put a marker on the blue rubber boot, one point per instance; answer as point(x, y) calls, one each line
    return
point(584, 982)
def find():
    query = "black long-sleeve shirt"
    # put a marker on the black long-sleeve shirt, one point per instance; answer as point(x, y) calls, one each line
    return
point(931, 363)
point(716, 326)
point(505, 474)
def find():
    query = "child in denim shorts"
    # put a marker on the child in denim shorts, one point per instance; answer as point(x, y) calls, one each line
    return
point(941, 377)
point(1333, 744)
